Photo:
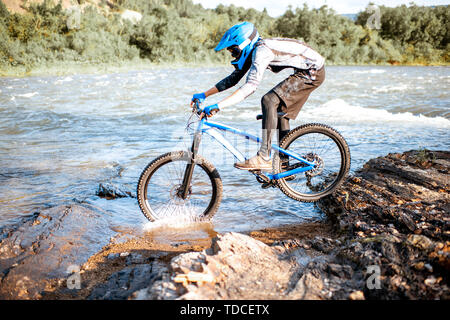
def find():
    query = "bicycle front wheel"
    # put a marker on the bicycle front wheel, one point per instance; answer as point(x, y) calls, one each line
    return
point(160, 182)
point(321, 145)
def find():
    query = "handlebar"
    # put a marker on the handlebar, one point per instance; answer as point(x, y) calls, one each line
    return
point(199, 111)
point(196, 107)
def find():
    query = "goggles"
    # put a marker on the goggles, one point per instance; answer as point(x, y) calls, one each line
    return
point(235, 51)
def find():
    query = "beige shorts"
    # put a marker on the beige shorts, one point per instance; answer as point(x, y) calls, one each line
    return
point(295, 90)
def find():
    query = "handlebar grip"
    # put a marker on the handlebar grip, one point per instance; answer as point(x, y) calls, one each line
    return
point(196, 103)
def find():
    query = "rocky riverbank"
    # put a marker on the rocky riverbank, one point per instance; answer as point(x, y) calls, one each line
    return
point(387, 236)
point(394, 214)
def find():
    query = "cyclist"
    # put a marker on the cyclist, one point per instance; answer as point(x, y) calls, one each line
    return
point(254, 55)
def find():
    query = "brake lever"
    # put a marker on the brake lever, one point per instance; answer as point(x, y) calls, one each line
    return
point(212, 113)
point(196, 106)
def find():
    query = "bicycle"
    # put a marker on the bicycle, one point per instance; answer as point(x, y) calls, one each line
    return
point(310, 162)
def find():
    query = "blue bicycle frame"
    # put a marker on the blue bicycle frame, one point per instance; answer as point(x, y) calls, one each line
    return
point(208, 127)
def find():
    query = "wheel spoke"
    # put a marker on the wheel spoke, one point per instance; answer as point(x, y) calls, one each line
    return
point(159, 186)
point(325, 148)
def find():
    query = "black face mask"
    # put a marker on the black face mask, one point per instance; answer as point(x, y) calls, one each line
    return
point(235, 51)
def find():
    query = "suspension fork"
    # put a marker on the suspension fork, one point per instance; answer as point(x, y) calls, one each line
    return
point(183, 191)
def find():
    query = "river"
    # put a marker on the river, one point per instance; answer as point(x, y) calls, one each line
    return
point(61, 136)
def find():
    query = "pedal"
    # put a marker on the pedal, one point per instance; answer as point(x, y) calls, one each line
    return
point(269, 184)
point(260, 177)
point(266, 185)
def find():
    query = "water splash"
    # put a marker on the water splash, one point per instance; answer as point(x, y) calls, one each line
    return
point(341, 111)
point(176, 216)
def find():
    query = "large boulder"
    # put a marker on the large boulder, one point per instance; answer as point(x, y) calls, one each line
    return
point(51, 245)
point(396, 213)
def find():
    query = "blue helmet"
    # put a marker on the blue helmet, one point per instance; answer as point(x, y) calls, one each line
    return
point(243, 36)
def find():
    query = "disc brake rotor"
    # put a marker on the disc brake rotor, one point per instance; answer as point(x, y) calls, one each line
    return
point(318, 162)
point(174, 194)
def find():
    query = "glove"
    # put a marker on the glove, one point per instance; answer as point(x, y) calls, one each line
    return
point(211, 110)
point(199, 96)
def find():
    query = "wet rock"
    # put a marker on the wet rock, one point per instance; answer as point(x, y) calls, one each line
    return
point(113, 256)
point(135, 258)
point(122, 284)
point(309, 287)
point(112, 191)
point(389, 250)
point(428, 267)
point(163, 289)
point(342, 271)
point(395, 210)
point(236, 266)
point(322, 244)
point(47, 246)
point(419, 241)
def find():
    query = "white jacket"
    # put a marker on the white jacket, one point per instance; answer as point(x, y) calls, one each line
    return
point(274, 54)
point(277, 54)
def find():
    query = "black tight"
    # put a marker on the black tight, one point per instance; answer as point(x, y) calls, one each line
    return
point(271, 104)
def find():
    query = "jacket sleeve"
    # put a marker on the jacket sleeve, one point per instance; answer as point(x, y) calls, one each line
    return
point(234, 77)
point(261, 60)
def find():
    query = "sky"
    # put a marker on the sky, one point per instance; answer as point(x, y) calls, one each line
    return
point(278, 7)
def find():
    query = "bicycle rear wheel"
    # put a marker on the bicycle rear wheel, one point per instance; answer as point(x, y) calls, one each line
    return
point(159, 183)
point(321, 145)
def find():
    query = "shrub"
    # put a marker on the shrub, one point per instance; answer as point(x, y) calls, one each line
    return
point(180, 31)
